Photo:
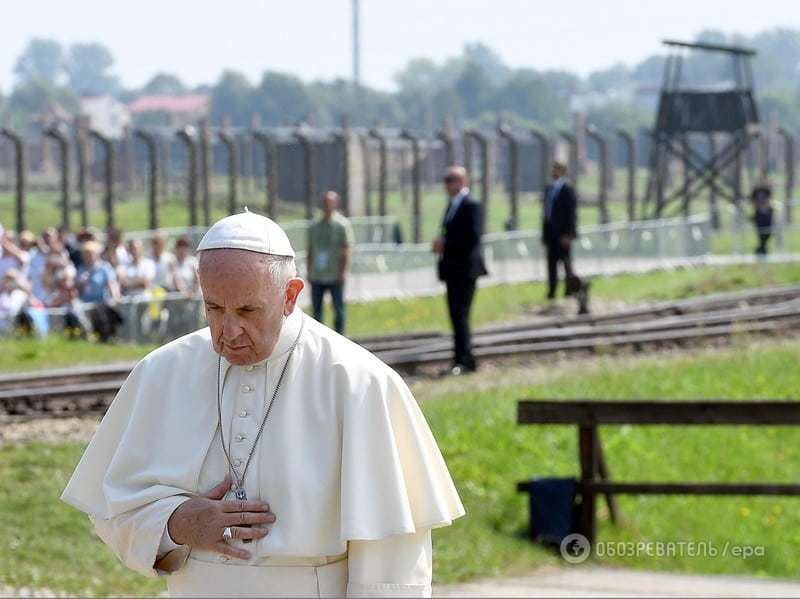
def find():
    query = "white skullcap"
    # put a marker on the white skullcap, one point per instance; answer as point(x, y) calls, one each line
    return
point(247, 231)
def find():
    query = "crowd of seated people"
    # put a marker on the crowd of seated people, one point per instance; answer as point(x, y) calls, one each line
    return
point(86, 277)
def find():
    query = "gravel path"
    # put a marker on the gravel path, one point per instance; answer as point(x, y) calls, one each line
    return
point(50, 429)
point(597, 581)
point(582, 581)
point(6, 591)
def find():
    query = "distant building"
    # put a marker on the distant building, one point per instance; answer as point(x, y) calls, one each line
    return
point(106, 114)
point(52, 113)
point(175, 111)
point(583, 101)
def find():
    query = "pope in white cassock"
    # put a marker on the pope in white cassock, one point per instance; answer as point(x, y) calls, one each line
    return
point(265, 455)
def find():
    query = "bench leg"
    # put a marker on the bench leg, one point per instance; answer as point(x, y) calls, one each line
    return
point(602, 471)
point(588, 444)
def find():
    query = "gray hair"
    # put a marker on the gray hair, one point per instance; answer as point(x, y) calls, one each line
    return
point(281, 270)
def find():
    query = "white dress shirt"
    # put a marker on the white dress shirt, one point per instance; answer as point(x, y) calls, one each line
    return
point(552, 195)
point(455, 202)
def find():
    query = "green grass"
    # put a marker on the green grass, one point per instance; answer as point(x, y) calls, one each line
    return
point(501, 303)
point(730, 242)
point(680, 284)
point(487, 453)
point(50, 545)
point(492, 305)
point(21, 354)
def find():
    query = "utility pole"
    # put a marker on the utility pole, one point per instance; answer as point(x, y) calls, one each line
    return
point(356, 45)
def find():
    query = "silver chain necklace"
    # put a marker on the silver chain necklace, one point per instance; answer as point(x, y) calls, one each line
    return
point(238, 486)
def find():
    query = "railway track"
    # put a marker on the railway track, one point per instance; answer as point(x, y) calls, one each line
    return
point(706, 303)
point(89, 390)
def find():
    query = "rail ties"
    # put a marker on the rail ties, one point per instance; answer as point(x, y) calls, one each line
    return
point(90, 390)
point(65, 376)
point(604, 335)
point(57, 401)
point(677, 336)
point(730, 300)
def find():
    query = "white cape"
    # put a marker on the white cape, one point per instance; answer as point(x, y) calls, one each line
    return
point(350, 454)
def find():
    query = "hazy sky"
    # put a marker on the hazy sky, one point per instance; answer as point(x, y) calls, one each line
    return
point(197, 39)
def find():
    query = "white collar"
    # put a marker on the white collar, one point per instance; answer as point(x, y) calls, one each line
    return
point(460, 195)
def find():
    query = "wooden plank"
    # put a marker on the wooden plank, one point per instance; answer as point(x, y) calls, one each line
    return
point(706, 412)
point(684, 488)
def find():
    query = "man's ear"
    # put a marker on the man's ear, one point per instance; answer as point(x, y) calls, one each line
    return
point(293, 290)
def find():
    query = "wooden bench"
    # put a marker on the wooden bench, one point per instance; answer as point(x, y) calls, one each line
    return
point(588, 415)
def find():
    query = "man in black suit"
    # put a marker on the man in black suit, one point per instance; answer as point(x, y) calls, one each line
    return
point(559, 229)
point(460, 261)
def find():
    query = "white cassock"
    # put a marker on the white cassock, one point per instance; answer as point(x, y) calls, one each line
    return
point(346, 462)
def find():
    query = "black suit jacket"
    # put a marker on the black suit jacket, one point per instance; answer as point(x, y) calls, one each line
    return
point(563, 216)
point(763, 219)
point(462, 258)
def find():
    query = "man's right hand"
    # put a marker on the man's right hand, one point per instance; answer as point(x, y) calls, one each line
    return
point(200, 521)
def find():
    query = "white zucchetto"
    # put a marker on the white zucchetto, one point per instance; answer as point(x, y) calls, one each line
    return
point(247, 231)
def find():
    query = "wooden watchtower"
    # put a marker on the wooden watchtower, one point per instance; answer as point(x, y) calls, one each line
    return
point(689, 109)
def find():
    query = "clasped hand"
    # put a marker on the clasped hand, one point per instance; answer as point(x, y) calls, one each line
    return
point(200, 521)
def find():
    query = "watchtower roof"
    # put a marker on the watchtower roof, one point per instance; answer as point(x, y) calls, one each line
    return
point(711, 47)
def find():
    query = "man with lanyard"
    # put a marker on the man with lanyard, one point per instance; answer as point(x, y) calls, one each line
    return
point(330, 246)
point(460, 261)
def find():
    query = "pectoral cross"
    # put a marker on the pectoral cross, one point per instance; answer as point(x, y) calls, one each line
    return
point(241, 495)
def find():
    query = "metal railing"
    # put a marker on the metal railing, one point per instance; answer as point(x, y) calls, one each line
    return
point(737, 234)
point(384, 270)
point(155, 319)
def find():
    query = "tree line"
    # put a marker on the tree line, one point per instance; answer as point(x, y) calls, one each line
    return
point(470, 89)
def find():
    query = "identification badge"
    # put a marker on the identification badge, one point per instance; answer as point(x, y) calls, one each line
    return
point(321, 260)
